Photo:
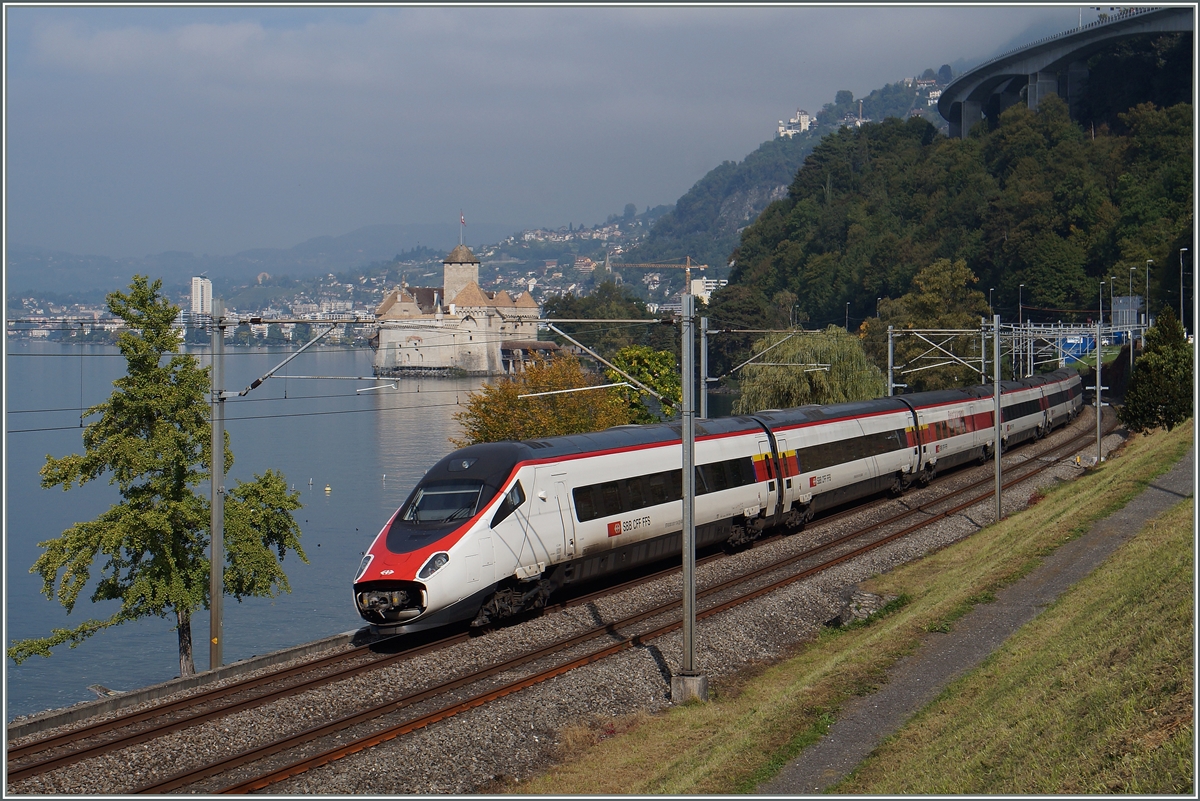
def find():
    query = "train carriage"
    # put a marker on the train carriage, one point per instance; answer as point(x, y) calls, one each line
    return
point(494, 529)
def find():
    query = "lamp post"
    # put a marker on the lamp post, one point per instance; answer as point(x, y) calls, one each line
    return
point(1149, 262)
point(877, 307)
point(1181, 252)
point(1134, 322)
point(1021, 322)
point(990, 291)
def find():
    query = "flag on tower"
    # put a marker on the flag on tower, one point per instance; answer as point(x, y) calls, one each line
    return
point(461, 219)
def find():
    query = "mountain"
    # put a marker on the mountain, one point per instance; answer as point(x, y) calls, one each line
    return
point(68, 275)
point(707, 221)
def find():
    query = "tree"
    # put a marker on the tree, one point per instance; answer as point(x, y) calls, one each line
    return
point(608, 301)
point(1160, 389)
point(827, 366)
point(945, 74)
point(740, 307)
point(496, 412)
point(154, 439)
point(942, 297)
point(656, 369)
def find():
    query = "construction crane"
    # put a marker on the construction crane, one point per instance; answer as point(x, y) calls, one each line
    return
point(687, 266)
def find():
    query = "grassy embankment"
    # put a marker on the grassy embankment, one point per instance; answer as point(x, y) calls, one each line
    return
point(1093, 696)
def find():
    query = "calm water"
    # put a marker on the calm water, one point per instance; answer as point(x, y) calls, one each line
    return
point(370, 448)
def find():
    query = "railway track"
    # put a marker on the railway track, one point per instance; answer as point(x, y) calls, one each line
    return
point(50, 753)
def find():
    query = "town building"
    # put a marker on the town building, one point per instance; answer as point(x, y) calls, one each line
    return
point(201, 296)
point(456, 327)
point(798, 124)
point(703, 288)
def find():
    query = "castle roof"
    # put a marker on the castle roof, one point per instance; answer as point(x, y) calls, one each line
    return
point(525, 301)
point(461, 255)
point(502, 300)
point(471, 296)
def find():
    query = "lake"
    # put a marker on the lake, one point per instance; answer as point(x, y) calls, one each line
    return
point(369, 448)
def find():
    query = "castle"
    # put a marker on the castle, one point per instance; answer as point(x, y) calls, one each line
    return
point(456, 327)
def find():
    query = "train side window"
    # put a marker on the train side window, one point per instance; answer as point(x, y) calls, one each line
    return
point(636, 487)
point(657, 486)
point(610, 492)
point(513, 499)
point(585, 506)
point(741, 471)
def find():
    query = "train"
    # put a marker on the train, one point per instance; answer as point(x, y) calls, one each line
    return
point(495, 529)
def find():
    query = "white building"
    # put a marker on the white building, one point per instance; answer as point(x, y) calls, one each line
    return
point(703, 288)
point(456, 327)
point(798, 124)
point(201, 295)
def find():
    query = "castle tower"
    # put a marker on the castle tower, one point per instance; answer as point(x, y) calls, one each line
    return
point(458, 269)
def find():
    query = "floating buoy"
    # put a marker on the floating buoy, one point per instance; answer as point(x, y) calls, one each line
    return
point(310, 482)
point(328, 489)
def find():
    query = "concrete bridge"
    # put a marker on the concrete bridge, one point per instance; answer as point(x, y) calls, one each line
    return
point(1054, 65)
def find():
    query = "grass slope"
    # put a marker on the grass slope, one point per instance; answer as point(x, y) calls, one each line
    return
point(1093, 696)
point(758, 721)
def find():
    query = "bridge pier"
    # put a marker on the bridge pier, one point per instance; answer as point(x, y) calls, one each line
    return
point(1041, 85)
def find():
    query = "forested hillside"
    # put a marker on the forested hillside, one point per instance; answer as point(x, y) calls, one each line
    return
point(1038, 201)
point(707, 220)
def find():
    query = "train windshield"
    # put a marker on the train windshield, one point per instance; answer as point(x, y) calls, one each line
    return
point(441, 502)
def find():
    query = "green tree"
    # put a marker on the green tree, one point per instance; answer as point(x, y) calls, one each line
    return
point(827, 366)
point(153, 438)
point(942, 297)
point(242, 335)
point(1160, 389)
point(608, 301)
point(656, 369)
point(740, 307)
point(497, 412)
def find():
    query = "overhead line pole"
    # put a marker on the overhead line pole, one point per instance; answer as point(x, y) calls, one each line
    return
point(703, 368)
point(216, 573)
point(689, 683)
point(996, 410)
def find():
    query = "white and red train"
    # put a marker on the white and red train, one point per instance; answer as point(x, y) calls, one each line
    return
point(494, 529)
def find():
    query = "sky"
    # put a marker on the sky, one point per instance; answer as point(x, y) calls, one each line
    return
point(137, 130)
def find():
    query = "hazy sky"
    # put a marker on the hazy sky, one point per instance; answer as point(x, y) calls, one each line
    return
point(132, 131)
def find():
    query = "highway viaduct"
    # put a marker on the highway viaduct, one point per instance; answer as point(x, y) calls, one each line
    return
point(1054, 65)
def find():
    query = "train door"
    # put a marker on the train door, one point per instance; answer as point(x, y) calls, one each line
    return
point(552, 528)
point(768, 500)
point(787, 472)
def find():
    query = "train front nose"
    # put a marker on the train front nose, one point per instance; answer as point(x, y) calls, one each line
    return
point(384, 602)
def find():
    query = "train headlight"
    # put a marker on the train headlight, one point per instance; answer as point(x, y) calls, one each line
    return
point(363, 565)
point(435, 563)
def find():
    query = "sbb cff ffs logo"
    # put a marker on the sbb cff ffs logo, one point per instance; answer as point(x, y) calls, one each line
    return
point(618, 526)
